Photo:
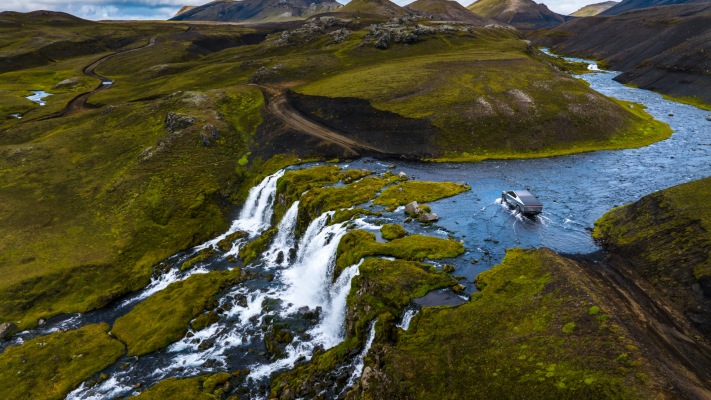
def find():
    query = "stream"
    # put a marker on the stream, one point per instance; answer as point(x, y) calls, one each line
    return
point(293, 280)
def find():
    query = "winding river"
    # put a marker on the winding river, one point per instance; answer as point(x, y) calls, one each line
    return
point(576, 190)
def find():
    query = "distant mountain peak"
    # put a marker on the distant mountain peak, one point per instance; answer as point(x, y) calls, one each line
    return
point(594, 9)
point(523, 14)
point(256, 10)
point(445, 10)
point(384, 8)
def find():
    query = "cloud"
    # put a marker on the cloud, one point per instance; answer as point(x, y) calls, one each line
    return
point(104, 9)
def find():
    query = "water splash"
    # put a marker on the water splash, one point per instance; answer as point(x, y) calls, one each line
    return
point(284, 242)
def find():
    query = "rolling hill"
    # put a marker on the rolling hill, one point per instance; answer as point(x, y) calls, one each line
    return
point(256, 10)
point(666, 49)
point(628, 5)
point(522, 14)
point(594, 9)
point(383, 8)
point(445, 10)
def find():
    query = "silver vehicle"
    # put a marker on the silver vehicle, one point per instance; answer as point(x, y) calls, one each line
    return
point(523, 201)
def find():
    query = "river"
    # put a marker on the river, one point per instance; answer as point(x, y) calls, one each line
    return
point(575, 190)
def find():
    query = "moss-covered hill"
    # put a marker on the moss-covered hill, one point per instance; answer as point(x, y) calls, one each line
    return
point(666, 237)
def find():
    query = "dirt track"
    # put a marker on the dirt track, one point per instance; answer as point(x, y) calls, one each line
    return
point(681, 354)
point(278, 105)
point(79, 102)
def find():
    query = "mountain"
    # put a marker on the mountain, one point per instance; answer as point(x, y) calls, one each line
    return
point(594, 9)
point(627, 5)
point(183, 10)
point(374, 7)
point(522, 14)
point(256, 10)
point(667, 49)
point(445, 10)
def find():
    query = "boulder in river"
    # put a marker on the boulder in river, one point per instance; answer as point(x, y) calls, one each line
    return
point(412, 208)
point(708, 118)
point(429, 217)
point(5, 329)
point(402, 175)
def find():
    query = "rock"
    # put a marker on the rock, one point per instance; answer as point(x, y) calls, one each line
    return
point(209, 134)
point(412, 208)
point(708, 118)
point(5, 329)
point(176, 122)
point(458, 288)
point(402, 175)
point(448, 268)
point(392, 166)
point(429, 217)
point(67, 83)
point(41, 321)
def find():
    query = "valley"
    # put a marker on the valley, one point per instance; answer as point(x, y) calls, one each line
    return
point(211, 209)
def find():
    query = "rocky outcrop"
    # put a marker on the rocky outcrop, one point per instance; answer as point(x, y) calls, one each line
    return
point(175, 122)
point(5, 329)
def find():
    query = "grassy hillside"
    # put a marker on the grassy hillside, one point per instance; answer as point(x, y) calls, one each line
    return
point(522, 14)
point(594, 9)
point(666, 236)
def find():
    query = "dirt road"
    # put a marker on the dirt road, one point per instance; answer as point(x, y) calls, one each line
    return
point(79, 102)
point(278, 105)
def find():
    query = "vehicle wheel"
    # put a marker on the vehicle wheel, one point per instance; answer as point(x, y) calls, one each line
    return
point(518, 209)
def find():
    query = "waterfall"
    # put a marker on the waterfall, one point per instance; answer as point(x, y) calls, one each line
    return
point(309, 279)
point(359, 361)
point(256, 214)
point(406, 318)
point(284, 241)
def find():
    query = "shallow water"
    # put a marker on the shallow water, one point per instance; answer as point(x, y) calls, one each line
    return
point(38, 96)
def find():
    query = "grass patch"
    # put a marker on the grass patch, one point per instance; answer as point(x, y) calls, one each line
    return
point(419, 191)
point(392, 231)
point(359, 243)
point(163, 318)
point(49, 367)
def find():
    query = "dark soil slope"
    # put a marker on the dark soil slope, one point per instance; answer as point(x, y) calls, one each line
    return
point(666, 49)
point(523, 14)
point(628, 5)
point(666, 237)
point(594, 9)
point(445, 10)
point(256, 10)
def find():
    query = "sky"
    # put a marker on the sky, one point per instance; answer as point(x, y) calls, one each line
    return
point(164, 9)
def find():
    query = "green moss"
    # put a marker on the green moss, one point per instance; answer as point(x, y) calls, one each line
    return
point(253, 249)
point(509, 339)
point(693, 101)
point(392, 231)
point(568, 328)
point(163, 318)
point(594, 310)
point(226, 243)
point(201, 256)
point(357, 244)
point(204, 320)
point(208, 387)
point(49, 367)
point(419, 191)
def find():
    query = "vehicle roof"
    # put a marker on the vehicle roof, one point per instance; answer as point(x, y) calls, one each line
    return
point(526, 196)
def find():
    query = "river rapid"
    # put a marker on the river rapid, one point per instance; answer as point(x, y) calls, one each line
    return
point(296, 288)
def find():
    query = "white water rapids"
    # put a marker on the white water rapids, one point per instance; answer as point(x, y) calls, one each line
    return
point(300, 284)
